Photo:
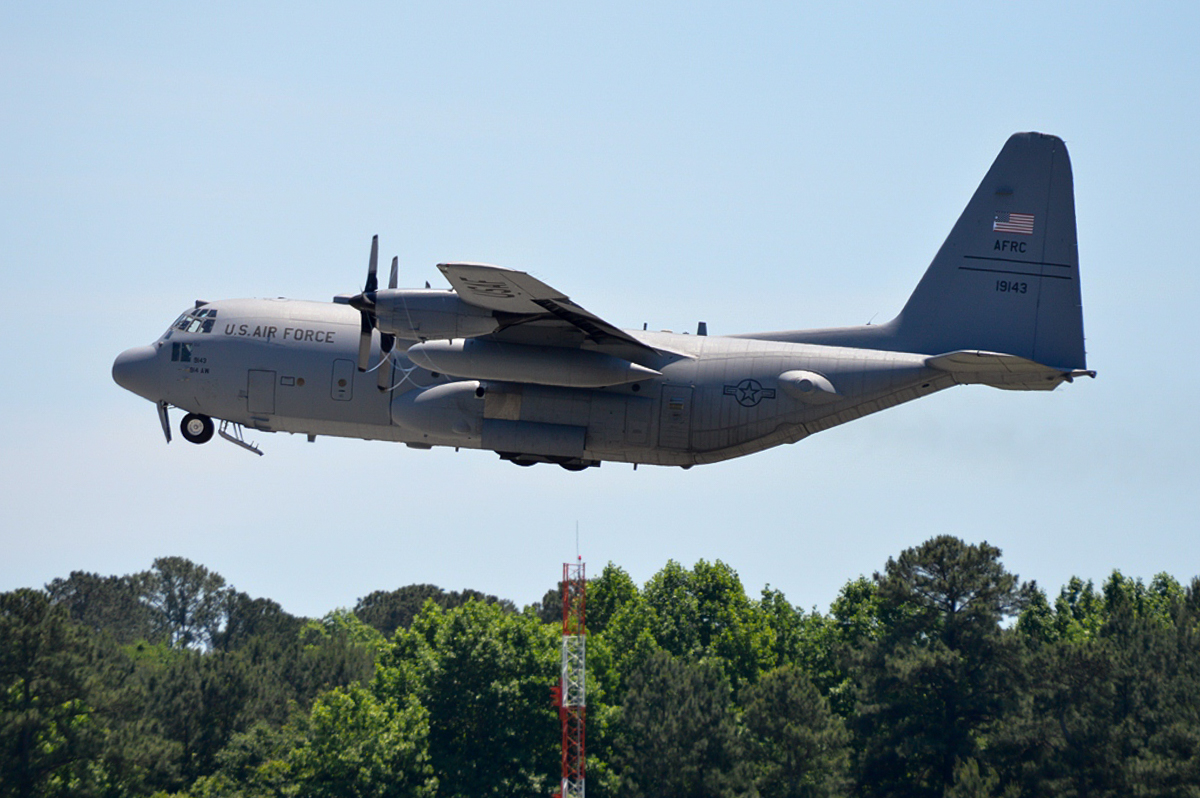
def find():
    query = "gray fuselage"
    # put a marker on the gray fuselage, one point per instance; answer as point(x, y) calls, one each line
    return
point(289, 366)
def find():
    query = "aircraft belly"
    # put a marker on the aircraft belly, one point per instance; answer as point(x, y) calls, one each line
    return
point(614, 422)
point(523, 419)
point(338, 429)
point(534, 437)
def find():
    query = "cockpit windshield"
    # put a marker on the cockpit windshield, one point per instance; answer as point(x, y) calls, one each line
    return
point(196, 320)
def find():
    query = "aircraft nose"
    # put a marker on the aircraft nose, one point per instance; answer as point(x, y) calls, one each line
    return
point(136, 370)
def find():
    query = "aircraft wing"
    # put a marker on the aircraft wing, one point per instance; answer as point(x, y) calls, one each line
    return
point(531, 312)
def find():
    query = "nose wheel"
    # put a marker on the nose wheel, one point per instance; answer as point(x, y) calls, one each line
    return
point(196, 428)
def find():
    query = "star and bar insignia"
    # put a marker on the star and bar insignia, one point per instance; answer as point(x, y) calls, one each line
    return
point(749, 392)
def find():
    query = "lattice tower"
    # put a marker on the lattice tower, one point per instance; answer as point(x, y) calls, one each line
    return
point(572, 710)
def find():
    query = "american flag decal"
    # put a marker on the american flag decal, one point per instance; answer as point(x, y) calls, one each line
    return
point(1020, 223)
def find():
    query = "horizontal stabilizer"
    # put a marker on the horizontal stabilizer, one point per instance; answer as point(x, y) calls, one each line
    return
point(1003, 371)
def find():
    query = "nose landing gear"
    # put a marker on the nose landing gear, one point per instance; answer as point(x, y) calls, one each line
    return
point(196, 428)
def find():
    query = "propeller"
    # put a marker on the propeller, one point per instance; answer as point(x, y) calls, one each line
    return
point(365, 304)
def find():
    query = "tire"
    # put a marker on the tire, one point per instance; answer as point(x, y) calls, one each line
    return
point(196, 428)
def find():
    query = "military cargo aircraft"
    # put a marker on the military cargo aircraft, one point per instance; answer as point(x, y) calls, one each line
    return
point(503, 362)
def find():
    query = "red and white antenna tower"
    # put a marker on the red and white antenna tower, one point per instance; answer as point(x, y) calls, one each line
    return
point(572, 693)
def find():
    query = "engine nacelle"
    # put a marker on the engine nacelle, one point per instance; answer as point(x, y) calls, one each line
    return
point(540, 365)
point(430, 315)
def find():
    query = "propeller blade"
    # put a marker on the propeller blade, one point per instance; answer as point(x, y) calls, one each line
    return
point(394, 277)
point(384, 380)
point(364, 341)
point(387, 342)
point(372, 267)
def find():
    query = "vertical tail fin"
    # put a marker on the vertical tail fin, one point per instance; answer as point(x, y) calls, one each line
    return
point(1007, 277)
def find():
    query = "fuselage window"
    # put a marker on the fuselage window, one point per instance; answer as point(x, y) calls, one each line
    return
point(181, 353)
point(197, 321)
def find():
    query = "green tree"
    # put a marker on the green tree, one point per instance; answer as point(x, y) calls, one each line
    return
point(388, 611)
point(785, 627)
point(197, 702)
point(137, 759)
point(627, 641)
point(178, 717)
point(550, 608)
point(705, 613)
point(1059, 744)
point(108, 604)
point(343, 624)
point(1081, 612)
point(48, 732)
point(360, 747)
point(1116, 712)
point(794, 746)
point(940, 671)
point(827, 642)
point(972, 780)
point(613, 654)
point(331, 652)
point(676, 731)
point(255, 763)
point(1155, 603)
point(606, 595)
point(1036, 622)
point(188, 602)
point(484, 675)
point(1078, 612)
point(248, 619)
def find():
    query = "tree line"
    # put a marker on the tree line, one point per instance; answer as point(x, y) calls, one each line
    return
point(941, 675)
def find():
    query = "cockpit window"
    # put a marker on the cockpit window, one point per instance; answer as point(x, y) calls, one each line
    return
point(198, 320)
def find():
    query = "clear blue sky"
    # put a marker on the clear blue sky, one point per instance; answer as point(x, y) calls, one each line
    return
point(756, 166)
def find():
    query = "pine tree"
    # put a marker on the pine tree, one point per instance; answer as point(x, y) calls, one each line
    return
point(941, 670)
